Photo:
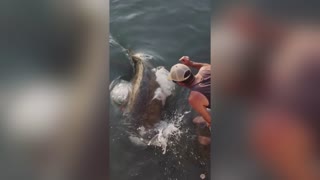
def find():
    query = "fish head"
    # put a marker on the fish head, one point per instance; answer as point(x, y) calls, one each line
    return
point(136, 58)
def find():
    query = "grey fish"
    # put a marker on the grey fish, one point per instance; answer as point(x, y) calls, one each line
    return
point(141, 106)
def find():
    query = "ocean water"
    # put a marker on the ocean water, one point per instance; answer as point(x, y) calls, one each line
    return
point(163, 31)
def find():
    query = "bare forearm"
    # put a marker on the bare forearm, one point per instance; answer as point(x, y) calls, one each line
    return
point(202, 110)
point(197, 65)
point(187, 61)
point(206, 116)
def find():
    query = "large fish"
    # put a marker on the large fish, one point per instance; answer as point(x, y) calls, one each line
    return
point(139, 102)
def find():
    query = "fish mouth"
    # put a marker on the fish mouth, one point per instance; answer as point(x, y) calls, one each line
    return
point(136, 57)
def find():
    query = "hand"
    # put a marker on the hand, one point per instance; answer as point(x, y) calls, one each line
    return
point(185, 60)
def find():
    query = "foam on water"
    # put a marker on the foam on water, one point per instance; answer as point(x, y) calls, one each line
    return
point(167, 132)
point(137, 141)
point(120, 90)
point(166, 86)
point(114, 43)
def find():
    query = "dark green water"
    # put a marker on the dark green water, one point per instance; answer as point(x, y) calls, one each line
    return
point(165, 30)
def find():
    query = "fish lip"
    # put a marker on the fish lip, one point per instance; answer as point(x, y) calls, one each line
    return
point(136, 57)
point(133, 57)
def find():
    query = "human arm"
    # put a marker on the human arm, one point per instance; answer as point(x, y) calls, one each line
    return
point(187, 61)
point(199, 102)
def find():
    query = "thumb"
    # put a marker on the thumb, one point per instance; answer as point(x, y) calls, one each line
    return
point(182, 60)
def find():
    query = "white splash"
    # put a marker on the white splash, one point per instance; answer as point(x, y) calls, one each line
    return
point(137, 141)
point(120, 92)
point(166, 86)
point(167, 132)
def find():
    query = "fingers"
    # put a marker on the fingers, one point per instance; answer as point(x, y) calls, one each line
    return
point(184, 59)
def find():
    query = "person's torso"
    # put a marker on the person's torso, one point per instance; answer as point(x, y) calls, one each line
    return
point(204, 85)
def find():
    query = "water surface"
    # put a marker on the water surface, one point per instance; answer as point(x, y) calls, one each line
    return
point(165, 30)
